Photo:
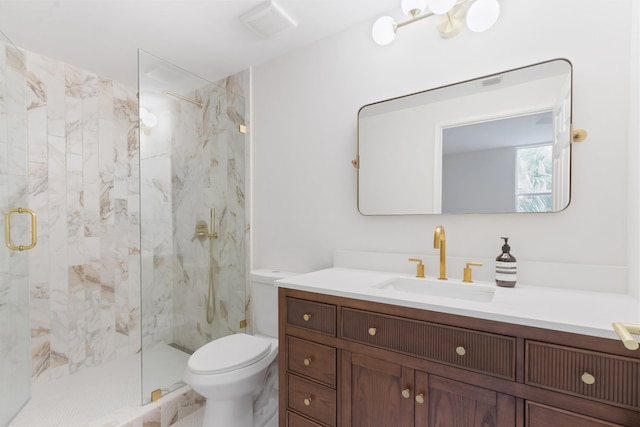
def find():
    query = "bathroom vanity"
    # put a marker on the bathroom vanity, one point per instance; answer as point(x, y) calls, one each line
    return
point(352, 355)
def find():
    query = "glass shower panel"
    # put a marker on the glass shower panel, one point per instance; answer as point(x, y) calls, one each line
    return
point(15, 361)
point(192, 186)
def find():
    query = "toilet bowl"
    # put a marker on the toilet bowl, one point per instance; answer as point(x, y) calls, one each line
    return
point(232, 372)
point(228, 372)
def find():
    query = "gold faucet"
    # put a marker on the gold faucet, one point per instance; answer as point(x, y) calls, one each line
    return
point(440, 242)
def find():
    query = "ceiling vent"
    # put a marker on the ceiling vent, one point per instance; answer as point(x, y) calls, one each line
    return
point(268, 20)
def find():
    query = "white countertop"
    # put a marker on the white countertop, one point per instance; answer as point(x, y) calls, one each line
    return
point(583, 312)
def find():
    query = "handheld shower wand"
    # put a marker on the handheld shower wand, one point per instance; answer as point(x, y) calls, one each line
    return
point(202, 233)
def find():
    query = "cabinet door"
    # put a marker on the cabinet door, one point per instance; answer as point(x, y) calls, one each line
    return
point(538, 415)
point(375, 393)
point(443, 402)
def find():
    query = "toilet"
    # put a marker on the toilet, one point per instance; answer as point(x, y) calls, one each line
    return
point(235, 372)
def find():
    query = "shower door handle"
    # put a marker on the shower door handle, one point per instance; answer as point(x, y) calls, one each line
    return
point(7, 229)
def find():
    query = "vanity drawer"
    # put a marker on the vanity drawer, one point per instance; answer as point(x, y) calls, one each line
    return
point(312, 315)
point(478, 351)
point(598, 376)
point(312, 399)
point(295, 420)
point(312, 360)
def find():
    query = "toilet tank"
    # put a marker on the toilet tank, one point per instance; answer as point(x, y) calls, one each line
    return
point(264, 300)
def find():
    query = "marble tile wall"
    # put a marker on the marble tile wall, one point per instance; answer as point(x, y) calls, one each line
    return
point(192, 161)
point(209, 172)
point(84, 185)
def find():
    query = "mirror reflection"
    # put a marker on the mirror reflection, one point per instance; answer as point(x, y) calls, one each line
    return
point(499, 143)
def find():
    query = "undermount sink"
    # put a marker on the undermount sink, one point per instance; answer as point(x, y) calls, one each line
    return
point(439, 288)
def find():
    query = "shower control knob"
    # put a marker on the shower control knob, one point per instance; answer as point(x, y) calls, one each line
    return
point(306, 317)
point(307, 361)
point(307, 401)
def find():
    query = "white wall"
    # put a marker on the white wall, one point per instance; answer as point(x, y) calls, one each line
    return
point(304, 130)
point(633, 160)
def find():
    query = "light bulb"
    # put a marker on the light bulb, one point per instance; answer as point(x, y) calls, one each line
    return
point(147, 118)
point(482, 15)
point(413, 8)
point(440, 7)
point(384, 30)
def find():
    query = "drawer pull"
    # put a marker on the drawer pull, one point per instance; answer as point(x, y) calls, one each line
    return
point(307, 401)
point(420, 398)
point(306, 317)
point(461, 350)
point(307, 361)
point(587, 378)
point(406, 393)
point(372, 331)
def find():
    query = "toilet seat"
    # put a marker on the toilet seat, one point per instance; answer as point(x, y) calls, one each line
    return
point(228, 354)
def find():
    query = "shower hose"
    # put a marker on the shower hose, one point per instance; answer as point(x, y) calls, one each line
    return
point(211, 297)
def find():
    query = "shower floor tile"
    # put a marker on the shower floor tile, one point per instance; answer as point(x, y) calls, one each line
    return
point(93, 393)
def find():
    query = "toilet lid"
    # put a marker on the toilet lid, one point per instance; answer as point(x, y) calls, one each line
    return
point(228, 354)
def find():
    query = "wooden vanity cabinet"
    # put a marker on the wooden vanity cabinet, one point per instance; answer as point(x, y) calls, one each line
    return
point(377, 392)
point(353, 363)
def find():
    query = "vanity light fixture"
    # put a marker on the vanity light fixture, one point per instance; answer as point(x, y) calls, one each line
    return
point(451, 16)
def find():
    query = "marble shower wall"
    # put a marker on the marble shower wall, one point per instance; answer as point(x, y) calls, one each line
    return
point(208, 167)
point(84, 185)
point(192, 161)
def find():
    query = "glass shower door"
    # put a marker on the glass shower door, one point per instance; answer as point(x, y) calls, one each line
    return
point(15, 377)
point(192, 215)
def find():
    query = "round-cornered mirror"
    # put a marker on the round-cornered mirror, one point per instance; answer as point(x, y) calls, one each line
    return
point(496, 144)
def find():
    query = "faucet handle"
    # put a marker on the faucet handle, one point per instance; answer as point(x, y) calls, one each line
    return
point(466, 274)
point(420, 267)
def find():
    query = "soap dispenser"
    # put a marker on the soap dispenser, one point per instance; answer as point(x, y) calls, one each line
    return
point(506, 266)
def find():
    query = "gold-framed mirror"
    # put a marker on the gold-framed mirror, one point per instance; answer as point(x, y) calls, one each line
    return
point(495, 144)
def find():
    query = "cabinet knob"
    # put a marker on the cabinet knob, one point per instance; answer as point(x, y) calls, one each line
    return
point(372, 331)
point(307, 361)
point(420, 398)
point(461, 350)
point(587, 378)
point(307, 401)
point(306, 317)
point(406, 393)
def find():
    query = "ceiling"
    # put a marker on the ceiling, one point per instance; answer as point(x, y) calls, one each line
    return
point(204, 37)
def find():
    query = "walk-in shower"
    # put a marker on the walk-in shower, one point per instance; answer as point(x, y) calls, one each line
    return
point(114, 196)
